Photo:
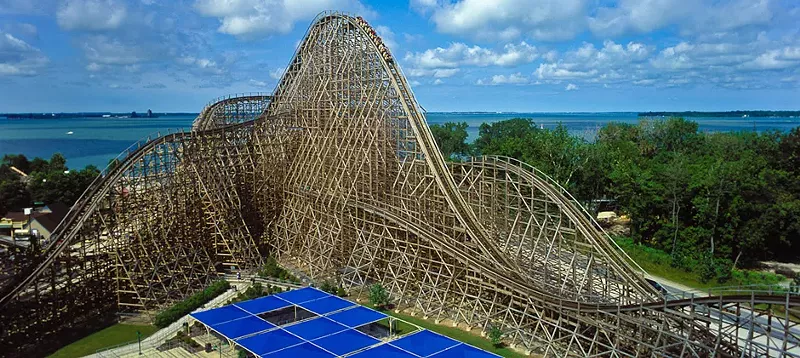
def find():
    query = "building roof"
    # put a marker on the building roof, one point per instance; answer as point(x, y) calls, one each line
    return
point(51, 220)
point(16, 216)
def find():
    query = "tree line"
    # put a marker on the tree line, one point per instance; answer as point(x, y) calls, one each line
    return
point(713, 201)
point(47, 181)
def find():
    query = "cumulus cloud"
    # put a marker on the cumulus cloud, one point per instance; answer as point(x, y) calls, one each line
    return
point(514, 78)
point(387, 36)
point(28, 7)
point(21, 29)
point(436, 72)
point(256, 18)
point(545, 20)
point(256, 83)
point(91, 15)
point(571, 87)
point(459, 54)
point(690, 16)
point(18, 58)
point(106, 50)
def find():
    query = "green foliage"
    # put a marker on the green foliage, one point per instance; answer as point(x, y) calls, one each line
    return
point(181, 336)
point(328, 286)
point(271, 269)
point(47, 181)
point(711, 201)
point(495, 335)
point(255, 291)
point(689, 273)
point(182, 308)
point(378, 296)
point(242, 354)
point(451, 138)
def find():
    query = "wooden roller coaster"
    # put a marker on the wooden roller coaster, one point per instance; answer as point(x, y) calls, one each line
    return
point(337, 174)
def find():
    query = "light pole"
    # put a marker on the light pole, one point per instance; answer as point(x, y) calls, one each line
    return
point(139, 339)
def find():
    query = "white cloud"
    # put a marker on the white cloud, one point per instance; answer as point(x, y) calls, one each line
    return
point(787, 57)
point(18, 58)
point(459, 54)
point(94, 67)
point(544, 20)
point(91, 15)
point(387, 36)
point(562, 71)
point(21, 29)
point(119, 86)
point(256, 83)
point(571, 87)
point(256, 18)
point(438, 81)
point(201, 64)
point(29, 7)
point(277, 73)
point(514, 78)
point(436, 73)
point(105, 50)
point(702, 16)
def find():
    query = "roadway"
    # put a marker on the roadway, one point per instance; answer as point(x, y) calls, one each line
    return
point(759, 325)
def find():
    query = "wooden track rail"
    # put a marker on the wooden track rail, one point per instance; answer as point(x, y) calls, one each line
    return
point(337, 174)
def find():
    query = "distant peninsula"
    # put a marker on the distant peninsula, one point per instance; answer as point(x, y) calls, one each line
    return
point(148, 114)
point(722, 114)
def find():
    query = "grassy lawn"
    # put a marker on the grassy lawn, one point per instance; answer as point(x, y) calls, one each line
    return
point(114, 335)
point(452, 332)
point(658, 263)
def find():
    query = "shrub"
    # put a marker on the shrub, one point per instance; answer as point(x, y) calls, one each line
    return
point(328, 287)
point(378, 295)
point(341, 292)
point(496, 335)
point(271, 269)
point(182, 308)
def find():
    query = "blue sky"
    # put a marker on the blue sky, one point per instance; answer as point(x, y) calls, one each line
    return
point(459, 55)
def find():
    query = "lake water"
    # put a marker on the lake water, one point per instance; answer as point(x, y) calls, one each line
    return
point(97, 140)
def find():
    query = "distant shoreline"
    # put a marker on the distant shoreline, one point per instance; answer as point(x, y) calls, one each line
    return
point(686, 114)
point(109, 115)
point(723, 114)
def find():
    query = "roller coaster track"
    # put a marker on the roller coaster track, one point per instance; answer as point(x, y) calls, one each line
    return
point(337, 174)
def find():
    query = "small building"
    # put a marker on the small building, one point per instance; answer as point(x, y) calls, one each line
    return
point(11, 222)
point(14, 225)
point(46, 219)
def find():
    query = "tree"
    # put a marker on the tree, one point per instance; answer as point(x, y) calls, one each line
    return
point(495, 335)
point(14, 195)
point(378, 296)
point(18, 161)
point(451, 138)
point(58, 163)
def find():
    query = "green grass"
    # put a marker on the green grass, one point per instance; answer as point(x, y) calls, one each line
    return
point(453, 332)
point(658, 263)
point(111, 336)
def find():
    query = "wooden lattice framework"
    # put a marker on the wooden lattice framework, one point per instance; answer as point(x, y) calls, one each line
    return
point(337, 174)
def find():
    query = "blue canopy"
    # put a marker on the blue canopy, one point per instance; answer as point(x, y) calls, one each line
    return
point(331, 330)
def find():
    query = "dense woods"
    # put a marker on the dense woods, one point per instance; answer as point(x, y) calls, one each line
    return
point(47, 182)
point(713, 201)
